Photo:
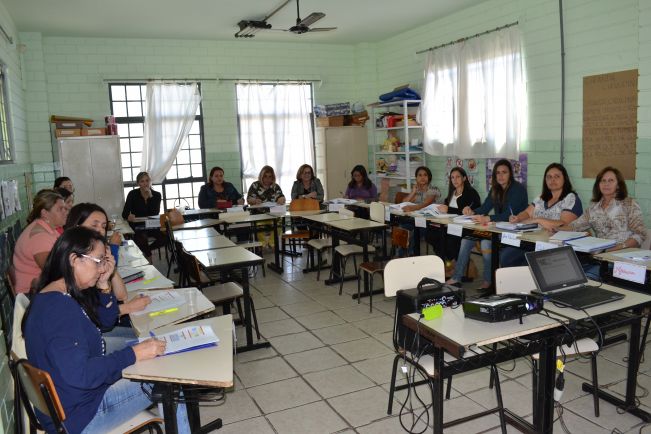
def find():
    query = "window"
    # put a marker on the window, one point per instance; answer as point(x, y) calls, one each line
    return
point(187, 174)
point(6, 154)
point(275, 128)
point(474, 102)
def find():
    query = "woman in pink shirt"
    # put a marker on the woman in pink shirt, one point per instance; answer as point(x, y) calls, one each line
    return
point(36, 240)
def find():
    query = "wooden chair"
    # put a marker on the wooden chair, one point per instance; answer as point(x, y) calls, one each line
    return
point(37, 391)
point(406, 273)
point(519, 279)
point(400, 197)
point(220, 294)
point(296, 236)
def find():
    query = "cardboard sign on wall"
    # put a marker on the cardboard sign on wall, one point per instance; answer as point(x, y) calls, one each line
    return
point(610, 122)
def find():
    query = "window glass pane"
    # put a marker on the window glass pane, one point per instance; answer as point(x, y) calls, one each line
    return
point(195, 127)
point(134, 173)
point(195, 156)
point(123, 130)
point(195, 141)
point(183, 157)
point(136, 159)
point(119, 109)
point(171, 191)
point(185, 189)
point(135, 129)
point(184, 144)
point(171, 174)
point(124, 145)
point(126, 160)
point(196, 170)
point(133, 93)
point(136, 144)
point(117, 93)
point(134, 108)
point(126, 191)
point(183, 171)
point(126, 175)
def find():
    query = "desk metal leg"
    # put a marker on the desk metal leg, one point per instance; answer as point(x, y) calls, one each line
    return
point(437, 392)
point(275, 266)
point(628, 404)
point(495, 254)
point(546, 379)
point(247, 317)
point(169, 408)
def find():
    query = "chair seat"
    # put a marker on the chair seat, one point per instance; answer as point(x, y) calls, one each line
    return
point(585, 345)
point(140, 420)
point(223, 292)
point(296, 234)
point(373, 266)
point(320, 243)
point(352, 249)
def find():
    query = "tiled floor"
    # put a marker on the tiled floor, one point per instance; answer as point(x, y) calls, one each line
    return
point(328, 370)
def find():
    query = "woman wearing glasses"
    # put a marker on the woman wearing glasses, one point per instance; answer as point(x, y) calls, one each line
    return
point(62, 337)
point(307, 185)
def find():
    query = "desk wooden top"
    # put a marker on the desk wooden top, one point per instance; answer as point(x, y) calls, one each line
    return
point(142, 324)
point(196, 244)
point(612, 257)
point(460, 332)
point(632, 299)
point(152, 279)
point(196, 233)
point(356, 224)
point(328, 217)
point(228, 257)
point(196, 224)
point(211, 366)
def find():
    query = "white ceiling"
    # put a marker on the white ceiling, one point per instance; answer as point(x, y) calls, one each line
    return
point(357, 20)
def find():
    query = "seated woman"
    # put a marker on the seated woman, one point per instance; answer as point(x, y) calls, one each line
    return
point(110, 287)
point(421, 196)
point(460, 195)
point(506, 197)
point(265, 189)
point(307, 185)
point(64, 182)
point(35, 242)
point(217, 193)
point(62, 337)
point(360, 186)
point(68, 197)
point(557, 205)
point(143, 202)
point(612, 214)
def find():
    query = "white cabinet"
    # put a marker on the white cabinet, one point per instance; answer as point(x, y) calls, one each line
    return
point(338, 150)
point(397, 163)
point(93, 165)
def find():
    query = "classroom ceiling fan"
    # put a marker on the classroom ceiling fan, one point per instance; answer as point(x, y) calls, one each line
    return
point(248, 28)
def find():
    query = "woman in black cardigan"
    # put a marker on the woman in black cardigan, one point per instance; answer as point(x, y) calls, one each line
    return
point(460, 195)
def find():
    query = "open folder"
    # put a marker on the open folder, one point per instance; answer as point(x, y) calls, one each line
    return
point(185, 339)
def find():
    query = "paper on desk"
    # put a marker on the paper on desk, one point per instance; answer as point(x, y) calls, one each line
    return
point(343, 200)
point(636, 255)
point(433, 210)
point(401, 206)
point(187, 338)
point(162, 300)
point(463, 219)
point(591, 244)
point(155, 282)
point(268, 204)
point(567, 235)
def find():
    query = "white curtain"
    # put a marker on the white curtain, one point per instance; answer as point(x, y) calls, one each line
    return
point(474, 101)
point(275, 130)
point(170, 112)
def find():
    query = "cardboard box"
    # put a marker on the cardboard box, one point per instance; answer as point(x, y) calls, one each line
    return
point(330, 121)
point(93, 131)
point(67, 132)
point(69, 124)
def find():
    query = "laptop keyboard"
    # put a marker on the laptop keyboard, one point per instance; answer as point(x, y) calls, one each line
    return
point(584, 296)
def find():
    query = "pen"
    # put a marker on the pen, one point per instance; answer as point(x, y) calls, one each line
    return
point(163, 312)
point(511, 209)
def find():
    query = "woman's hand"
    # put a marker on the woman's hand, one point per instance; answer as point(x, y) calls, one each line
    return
point(513, 219)
point(281, 200)
point(149, 349)
point(311, 195)
point(116, 238)
point(254, 201)
point(136, 304)
point(109, 268)
point(131, 217)
point(443, 209)
point(481, 219)
point(410, 208)
point(467, 211)
point(546, 225)
point(240, 201)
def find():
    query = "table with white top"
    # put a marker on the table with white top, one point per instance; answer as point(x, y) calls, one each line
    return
point(196, 224)
point(188, 234)
point(196, 244)
point(196, 214)
point(151, 279)
point(227, 260)
point(195, 304)
point(209, 367)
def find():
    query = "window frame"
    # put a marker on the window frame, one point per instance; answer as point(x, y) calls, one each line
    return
point(6, 135)
point(175, 181)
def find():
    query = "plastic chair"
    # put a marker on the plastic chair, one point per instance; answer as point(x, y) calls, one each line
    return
point(519, 279)
point(406, 273)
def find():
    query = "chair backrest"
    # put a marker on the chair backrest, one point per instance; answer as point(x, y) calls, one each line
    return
point(344, 211)
point(406, 273)
point(400, 197)
point(514, 279)
point(17, 339)
point(10, 279)
point(190, 266)
point(38, 388)
point(400, 237)
point(377, 212)
point(174, 215)
point(305, 204)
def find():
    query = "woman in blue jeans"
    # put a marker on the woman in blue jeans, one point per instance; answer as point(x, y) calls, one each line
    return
point(63, 338)
point(506, 197)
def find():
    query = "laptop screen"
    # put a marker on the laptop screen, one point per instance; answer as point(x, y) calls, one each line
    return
point(556, 268)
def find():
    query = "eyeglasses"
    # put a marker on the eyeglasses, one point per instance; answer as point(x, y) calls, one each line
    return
point(98, 262)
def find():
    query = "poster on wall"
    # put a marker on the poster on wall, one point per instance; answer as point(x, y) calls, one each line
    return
point(610, 122)
point(470, 165)
point(520, 168)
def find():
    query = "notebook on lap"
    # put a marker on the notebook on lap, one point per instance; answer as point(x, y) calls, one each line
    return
point(560, 279)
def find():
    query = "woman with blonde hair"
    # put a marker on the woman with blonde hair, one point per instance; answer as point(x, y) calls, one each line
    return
point(265, 188)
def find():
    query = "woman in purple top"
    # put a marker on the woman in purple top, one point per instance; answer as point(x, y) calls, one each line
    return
point(360, 187)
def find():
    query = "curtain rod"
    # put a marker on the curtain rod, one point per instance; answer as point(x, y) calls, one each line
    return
point(140, 80)
point(6, 35)
point(269, 80)
point(467, 37)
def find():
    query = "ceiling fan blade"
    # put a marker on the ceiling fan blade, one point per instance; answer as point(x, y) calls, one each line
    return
point(272, 13)
point(322, 29)
point(311, 19)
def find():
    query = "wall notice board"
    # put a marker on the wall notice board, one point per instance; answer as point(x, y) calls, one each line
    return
point(610, 122)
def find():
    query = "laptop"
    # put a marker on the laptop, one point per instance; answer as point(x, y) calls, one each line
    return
point(560, 279)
